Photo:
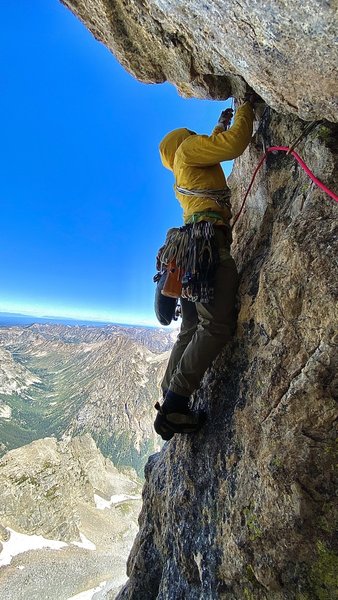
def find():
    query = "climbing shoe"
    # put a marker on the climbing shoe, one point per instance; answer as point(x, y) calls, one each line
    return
point(161, 426)
point(175, 416)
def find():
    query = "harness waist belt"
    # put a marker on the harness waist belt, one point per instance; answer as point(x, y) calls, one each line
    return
point(207, 215)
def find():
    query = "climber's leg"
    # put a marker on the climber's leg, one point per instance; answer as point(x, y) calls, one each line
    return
point(188, 328)
point(215, 328)
point(205, 330)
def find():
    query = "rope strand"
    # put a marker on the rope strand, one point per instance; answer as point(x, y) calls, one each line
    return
point(302, 164)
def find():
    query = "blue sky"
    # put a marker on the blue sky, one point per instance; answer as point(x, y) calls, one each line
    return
point(85, 201)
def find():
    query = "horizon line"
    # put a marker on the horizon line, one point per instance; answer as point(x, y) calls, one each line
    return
point(144, 323)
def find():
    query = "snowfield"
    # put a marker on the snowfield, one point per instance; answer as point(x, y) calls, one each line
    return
point(21, 542)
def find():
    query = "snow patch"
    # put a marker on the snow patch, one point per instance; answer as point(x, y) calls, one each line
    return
point(101, 503)
point(88, 594)
point(21, 542)
point(85, 543)
point(157, 358)
point(5, 411)
point(32, 379)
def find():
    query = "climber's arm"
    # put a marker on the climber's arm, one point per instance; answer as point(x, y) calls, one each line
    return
point(202, 151)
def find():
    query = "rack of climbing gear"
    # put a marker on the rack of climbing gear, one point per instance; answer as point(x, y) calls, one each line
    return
point(194, 250)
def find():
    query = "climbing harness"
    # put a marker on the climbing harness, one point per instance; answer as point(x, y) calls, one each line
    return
point(194, 251)
point(302, 164)
point(198, 216)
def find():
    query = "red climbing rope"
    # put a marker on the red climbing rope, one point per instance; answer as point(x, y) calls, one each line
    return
point(302, 164)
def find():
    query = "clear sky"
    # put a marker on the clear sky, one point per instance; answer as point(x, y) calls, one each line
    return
point(85, 201)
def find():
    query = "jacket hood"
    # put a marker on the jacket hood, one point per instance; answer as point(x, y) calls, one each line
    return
point(170, 143)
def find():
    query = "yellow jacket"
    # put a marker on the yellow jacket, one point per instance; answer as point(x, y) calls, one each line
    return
point(195, 160)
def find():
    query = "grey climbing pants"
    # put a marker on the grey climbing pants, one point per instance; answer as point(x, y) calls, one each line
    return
point(205, 328)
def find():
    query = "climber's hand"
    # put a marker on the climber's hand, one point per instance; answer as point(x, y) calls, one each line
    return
point(225, 117)
point(252, 97)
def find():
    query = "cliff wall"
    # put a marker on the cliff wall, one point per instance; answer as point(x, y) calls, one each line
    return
point(245, 509)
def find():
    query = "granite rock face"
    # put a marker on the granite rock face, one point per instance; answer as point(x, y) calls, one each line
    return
point(285, 50)
point(246, 508)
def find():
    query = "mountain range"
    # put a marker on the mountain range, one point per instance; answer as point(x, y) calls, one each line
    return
point(61, 380)
point(76, 412)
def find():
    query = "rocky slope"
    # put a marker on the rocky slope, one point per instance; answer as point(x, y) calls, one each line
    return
point(64, 492)
point(61, 380)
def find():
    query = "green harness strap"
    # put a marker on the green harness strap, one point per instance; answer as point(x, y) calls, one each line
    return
point(206, 213)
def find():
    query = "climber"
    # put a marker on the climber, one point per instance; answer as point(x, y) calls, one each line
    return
point(202, 251)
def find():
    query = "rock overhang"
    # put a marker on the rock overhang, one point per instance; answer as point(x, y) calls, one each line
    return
point(283, 50)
